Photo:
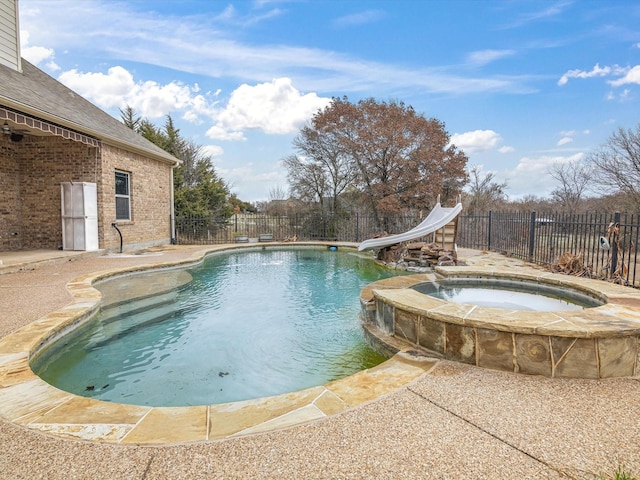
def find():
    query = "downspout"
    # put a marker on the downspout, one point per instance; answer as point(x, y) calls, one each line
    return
point(115, 225)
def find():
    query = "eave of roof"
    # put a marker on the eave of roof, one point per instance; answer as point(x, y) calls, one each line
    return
point(35, 93)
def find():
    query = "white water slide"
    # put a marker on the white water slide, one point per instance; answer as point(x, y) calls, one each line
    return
point(437, 218)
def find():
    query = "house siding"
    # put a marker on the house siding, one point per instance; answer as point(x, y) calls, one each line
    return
point(9, 35)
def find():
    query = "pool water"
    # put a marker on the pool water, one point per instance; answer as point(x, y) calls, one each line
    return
point(511, 295)
point(247, 325)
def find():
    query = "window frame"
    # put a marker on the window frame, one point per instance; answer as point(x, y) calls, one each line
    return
point(126, 196)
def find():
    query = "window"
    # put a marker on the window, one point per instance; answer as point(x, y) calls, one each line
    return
point(123, 196)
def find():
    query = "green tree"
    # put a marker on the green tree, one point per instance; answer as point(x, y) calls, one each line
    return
point(198, 190)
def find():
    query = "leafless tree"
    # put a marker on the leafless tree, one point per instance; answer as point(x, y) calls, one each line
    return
point(483, 193)
point(574, 178)
point(616, 164)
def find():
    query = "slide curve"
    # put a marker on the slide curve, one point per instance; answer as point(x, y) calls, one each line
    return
point(437, 218)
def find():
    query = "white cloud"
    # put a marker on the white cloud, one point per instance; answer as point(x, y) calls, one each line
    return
point(35, 54)
point(212, 151)
point(476, 141)
point(624, 96)
point(251, 184)
point(631, 76)
point(483, 57)
point(532, 174)
point(210, 46)
point(564, 141)
point(149, 99)
point(506, 149)
point(538, 165)
point(596, 71)
point(219, 133)
point(627, 75)
point(276, 107)
point(360, 18)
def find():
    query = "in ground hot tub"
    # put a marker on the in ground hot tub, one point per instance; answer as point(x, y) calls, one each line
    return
point(596, 338)
point(510, 294)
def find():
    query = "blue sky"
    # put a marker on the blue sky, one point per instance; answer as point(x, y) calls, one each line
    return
point(519, 84)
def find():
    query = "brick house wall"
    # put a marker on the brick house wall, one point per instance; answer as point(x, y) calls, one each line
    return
point(10, 204)
point(150, 183)
point(32, 170)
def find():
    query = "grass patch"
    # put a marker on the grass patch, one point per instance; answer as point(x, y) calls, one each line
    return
point(621, 474)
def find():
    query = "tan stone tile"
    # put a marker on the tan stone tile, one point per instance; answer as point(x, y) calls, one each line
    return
point(329, 403)
point(14, 369)
point(24, 340)
point(409, 299)
point(298, 416)
point(574, 357)
point(626, 300)
point(564, 324)
point(27, 398)
point(93, 432)
point(170, 425)
point(229, 418)
point(617, 356)
point(451, 312)
point(508, 320)
point(608, 320)
point(84, 292)
point(533, 354)
point(81, 410)
point(370, 384)
point(495, 349)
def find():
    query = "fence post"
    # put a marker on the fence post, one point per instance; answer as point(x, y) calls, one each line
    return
point(614, 244)
point(357, 227)
point(532, 236)
point(235, 228)
point(489, 232)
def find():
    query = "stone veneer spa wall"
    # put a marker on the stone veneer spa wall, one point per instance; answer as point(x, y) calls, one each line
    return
point(595, 342)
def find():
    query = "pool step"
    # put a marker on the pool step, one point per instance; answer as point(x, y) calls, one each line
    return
point(117, 320)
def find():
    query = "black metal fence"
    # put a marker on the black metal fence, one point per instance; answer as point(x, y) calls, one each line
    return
point(603, 245)
point(346, 227)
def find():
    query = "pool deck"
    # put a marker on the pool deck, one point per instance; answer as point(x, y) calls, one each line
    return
point(444, 420)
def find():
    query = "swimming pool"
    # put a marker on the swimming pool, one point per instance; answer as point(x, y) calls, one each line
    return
point(242, 325)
